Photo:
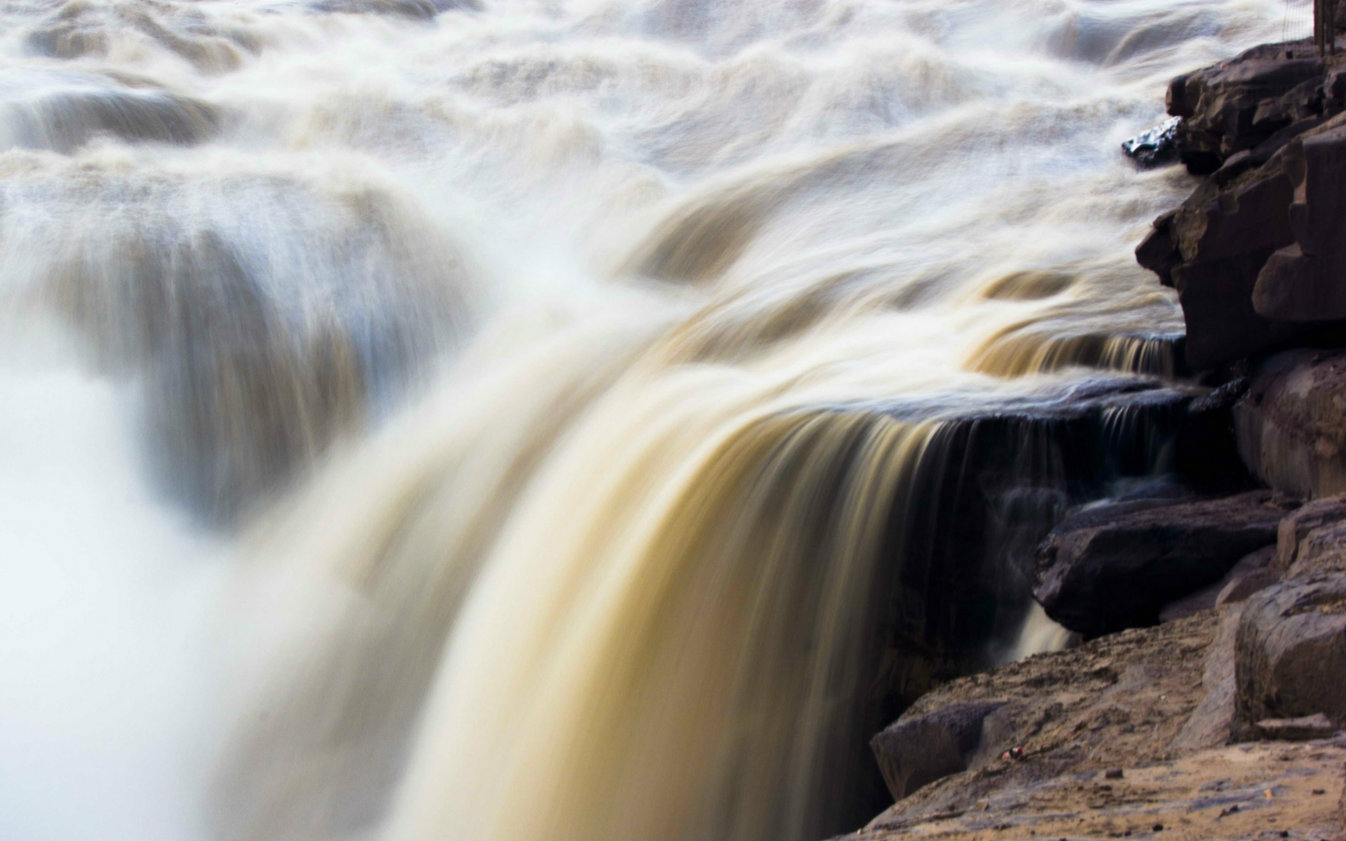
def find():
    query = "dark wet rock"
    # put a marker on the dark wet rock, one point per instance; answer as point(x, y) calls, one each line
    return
point(1205, 452)
point(1115, 566)
point(1244, 578)
point(1291, 425)
point(919, 749)
point(1291, 651)
point(1295, 729)
point(1156, 147)
point(1256, 251)
point(1211, 250)
point(999, 480)
point(1302, 281)
point(1239, 103)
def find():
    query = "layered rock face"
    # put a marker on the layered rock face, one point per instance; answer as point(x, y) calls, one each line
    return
point(1291, 424)
point(1258, 252)
point(1218, 725)
point(1114, 567)
point(1211, 697)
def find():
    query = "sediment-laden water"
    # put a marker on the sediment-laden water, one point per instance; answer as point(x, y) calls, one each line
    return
point(527, 419)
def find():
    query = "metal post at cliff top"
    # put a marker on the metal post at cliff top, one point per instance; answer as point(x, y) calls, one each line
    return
point(1325, 26)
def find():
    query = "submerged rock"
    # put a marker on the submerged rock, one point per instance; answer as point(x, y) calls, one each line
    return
point(1115, 566)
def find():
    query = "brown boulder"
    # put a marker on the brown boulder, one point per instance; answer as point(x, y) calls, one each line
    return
point(1302, 281)
point(1290, 658)
point(1291, 425)
point(1211, 250)
point(1257, 250)
point(1255, 572)
point(919, 749)
point(1115, 566)
point(1238, 103)
point(1322, 550)
point(1299, 523)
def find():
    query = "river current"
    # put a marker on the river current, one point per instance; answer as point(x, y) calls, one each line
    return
point(455, 419)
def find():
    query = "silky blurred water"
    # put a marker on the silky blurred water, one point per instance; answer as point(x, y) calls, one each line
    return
point(447, 419)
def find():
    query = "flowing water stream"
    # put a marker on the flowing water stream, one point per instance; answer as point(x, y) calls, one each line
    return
point(537, 418)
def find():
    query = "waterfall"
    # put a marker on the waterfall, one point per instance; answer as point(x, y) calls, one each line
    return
point(551, 418)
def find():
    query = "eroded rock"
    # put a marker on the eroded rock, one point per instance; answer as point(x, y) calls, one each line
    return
point(1291, 651)
point(1115, 566)
point(1298, 524)
point(1302, 281)
point(1250, 575)
point(1256, 252)
point(1291, 425)
point(919, 749)
point(1219, 793)
point(1236, 104)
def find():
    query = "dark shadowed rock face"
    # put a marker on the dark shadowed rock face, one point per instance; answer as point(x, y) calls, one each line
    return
point(1115, 566)
point(1257, 251)
point(1237, 104)
point(1250, 574)
point(1211, 250)
point(1291, 425)
point(1291, 651)
point(1302, 281)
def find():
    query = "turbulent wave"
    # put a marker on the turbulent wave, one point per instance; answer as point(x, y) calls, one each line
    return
point(561, 419)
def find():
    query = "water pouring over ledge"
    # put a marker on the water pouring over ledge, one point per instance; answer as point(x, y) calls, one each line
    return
point(545, 419)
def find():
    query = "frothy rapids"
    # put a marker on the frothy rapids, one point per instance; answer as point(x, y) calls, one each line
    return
point(441, 419)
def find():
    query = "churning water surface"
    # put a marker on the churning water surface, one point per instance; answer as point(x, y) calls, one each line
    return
point(454, 419)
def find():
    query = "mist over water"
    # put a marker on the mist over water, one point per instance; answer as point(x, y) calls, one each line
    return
point(439, 419)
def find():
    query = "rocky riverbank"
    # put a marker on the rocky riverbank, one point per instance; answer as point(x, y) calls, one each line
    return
point(1210, 699)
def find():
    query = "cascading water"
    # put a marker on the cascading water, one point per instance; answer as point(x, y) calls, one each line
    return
point(548, 418)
